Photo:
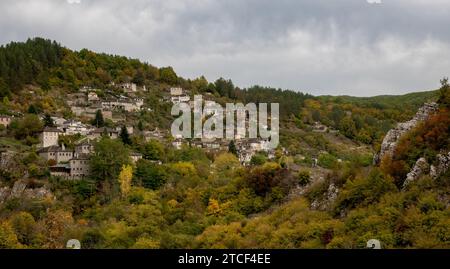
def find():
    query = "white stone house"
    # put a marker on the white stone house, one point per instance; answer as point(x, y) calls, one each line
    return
point(49, 137)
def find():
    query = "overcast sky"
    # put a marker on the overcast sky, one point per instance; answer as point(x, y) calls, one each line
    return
point(352, 47)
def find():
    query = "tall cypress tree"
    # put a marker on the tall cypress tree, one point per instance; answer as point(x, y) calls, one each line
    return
point(125, 136)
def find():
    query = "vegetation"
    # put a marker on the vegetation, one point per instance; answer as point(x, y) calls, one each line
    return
point(319, 189)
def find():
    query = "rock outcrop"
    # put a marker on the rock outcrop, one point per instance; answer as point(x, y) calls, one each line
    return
point(420, 168)
point(328, 199)
point(392, 137)
point(20, 190)
point(443, 165)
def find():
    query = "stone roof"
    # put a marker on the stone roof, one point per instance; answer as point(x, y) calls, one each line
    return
point(102, 130)
point(52, 129)
point(53, 149)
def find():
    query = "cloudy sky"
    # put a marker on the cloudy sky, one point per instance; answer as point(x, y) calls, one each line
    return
point(353, 47)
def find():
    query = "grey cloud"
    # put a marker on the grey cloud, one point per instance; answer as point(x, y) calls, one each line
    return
point(319, 46)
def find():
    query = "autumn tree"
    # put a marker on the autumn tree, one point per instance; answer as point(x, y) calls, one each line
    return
point(56, 223)
point(24, 226)
point(8, 239)
point(125, 178)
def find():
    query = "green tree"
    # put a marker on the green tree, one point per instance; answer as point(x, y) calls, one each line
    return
point(153, 150)
point(168, 76)
point(98, 120)
point(348, 127)
point(32, 109)
point(24, 226)
point(258, 159)
point(444, 93)
point(225, 87)
point(232, 148)
point(4, 89)
point(125, 136)
point(107, 160)
point(29, 126)
point(150, 175)
point(48, 121)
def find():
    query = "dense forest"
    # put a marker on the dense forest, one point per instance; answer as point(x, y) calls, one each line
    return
point(192, 198)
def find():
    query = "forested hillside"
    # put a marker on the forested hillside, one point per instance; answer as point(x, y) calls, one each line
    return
point(318, 189)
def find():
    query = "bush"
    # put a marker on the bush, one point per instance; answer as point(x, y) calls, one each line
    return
point(304, 177)
point(327, 161)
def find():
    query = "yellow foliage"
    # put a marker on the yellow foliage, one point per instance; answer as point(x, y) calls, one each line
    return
point(213, 207)
point(125, 178)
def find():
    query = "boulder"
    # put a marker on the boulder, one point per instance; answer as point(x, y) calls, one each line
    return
point(420, 168)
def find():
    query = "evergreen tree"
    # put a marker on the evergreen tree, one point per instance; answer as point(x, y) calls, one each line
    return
point(4, 89)
point(444, 93)
point(48, 121)
point(140, 126)
point(125, 136)
point(32, 109)
point(98, 120)
point(232, 148)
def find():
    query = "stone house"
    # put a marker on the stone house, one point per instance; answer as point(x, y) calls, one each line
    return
point(127, 87)
point(84, 148)
point(79, 167)
point(123, 104)
point(56, 153)
point(49, 137)
point(104, 131)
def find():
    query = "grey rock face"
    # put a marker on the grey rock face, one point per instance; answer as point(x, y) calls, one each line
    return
point(391, 139)
point(328, 200)
point(442, 167)
point(17, 189)
point(420, 168)
point(20, 190)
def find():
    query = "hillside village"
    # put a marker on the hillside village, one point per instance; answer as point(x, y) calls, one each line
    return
point(86, 152)
point(86, 104)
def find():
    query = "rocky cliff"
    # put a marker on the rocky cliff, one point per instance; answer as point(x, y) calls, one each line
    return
point(21, 191)
point(392, 137)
